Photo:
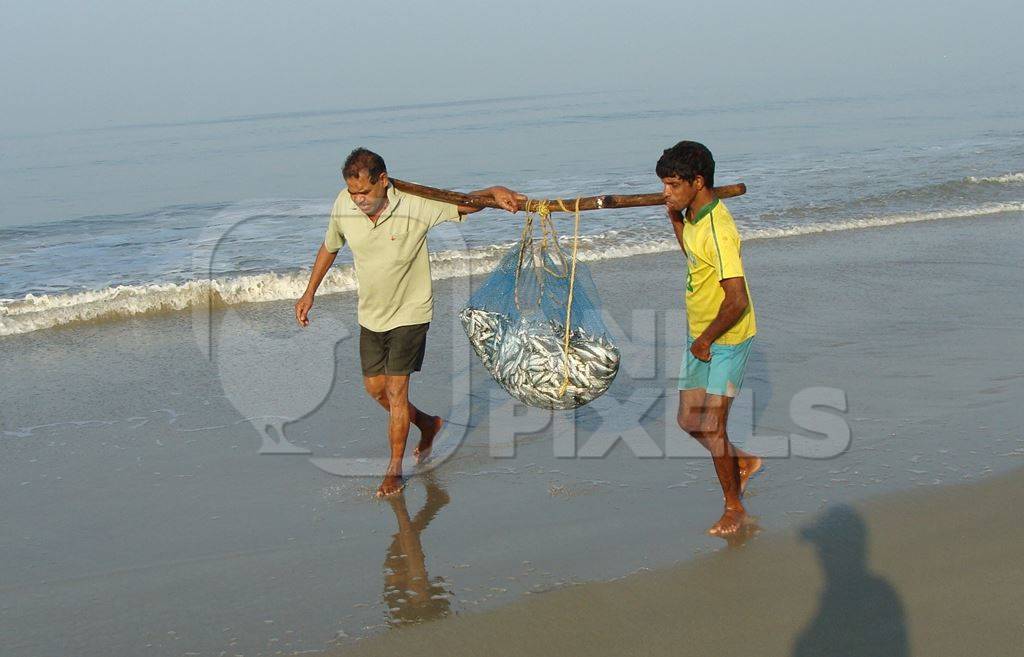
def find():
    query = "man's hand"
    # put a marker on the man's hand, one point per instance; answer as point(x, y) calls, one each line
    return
point(302, 307)
point(507, 199)
point(675, 217)
point(503, 196)
point(701, 349)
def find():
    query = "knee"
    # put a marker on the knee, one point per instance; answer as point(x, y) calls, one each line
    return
point(688, 423)
point(715, 440)
point(377, 391)
point(396, 393)
point(712, 428)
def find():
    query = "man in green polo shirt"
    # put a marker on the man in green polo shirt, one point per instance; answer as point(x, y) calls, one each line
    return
point(387, 232)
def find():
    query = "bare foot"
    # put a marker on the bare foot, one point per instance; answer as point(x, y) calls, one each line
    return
point(747, 531)
point(422, 451)
point(729, 523)
point(392, 483)
point(748, 468)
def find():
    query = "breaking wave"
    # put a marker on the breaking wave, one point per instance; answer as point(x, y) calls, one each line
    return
point(1006, 179)
point(36, 312)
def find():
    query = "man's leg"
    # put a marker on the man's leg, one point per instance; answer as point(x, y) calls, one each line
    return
point(376, 389)
point(691, 410)
point(727, 464)
point(429, 425)
point(437, 499)
point(396, 390)
point(693, 404)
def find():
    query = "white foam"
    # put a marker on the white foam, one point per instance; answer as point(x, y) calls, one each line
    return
point(33, 313)
point(887, 220)
point(1006, 179)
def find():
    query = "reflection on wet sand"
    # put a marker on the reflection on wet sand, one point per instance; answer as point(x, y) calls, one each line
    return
point(410, 596)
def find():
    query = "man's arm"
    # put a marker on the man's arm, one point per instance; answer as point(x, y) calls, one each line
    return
point(324, 260)
point(732, 308)
point(505, 197)
point(676, 218)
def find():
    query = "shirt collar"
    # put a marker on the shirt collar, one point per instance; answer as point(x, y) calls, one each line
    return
point(704, 211)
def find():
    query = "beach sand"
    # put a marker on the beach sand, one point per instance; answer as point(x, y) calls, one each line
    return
point(139, 517)
point(934, 573)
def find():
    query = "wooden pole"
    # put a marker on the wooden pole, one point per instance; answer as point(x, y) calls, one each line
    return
point(603, 202)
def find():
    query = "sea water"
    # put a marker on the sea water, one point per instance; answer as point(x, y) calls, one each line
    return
point(118, 221)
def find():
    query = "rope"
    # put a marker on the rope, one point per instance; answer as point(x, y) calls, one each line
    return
point(526, 243)
point(572, 286)
point(549, 240)
point(547, 230)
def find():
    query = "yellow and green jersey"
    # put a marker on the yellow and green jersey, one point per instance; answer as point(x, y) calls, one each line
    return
point(712, 246)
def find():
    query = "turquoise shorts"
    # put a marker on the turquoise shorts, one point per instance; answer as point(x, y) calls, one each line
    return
point(722, 375)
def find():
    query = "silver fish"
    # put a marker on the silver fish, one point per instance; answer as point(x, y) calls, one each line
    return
point(529, 361)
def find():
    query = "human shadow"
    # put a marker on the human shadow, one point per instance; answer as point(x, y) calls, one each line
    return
point(410, 596)
point(859, 613)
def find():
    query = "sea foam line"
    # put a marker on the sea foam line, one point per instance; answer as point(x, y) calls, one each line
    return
point(33, 313)
point(1005, 179)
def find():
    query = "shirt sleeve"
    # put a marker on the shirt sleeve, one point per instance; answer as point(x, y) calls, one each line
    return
point(334, 239)
point(725, 252)
point(438, 212)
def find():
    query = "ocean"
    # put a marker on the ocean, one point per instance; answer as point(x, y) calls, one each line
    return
point(120, 221)
point(141, 515)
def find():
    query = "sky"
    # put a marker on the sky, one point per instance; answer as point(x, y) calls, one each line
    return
point(68, 65)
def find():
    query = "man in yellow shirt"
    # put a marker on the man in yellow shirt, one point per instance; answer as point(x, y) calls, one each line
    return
point(720, 317)
point(387, 232)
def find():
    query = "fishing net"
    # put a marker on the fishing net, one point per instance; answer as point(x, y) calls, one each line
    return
point(536, 322)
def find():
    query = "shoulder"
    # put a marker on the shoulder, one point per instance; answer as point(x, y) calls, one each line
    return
point(700, 238)
point(425, 211)
point(418, 206)
point(723, 223)
point(411, 205)
point(722, 214)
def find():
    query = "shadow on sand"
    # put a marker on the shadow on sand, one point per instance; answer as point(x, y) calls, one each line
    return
point(859, 613)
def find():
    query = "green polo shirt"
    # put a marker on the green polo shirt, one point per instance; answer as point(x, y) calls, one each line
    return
point(391, 261)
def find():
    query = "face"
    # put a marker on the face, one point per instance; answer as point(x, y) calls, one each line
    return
point(368, 197)
point(679, 193)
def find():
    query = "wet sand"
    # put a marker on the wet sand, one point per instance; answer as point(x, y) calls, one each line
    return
point(928, 573)
point(140, 518)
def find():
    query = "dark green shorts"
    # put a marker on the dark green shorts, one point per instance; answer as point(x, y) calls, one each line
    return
point(398, 351)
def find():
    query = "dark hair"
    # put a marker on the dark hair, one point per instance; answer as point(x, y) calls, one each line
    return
point(360, 160)
point(687, 160)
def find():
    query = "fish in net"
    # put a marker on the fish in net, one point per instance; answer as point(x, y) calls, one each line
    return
point(536, 323)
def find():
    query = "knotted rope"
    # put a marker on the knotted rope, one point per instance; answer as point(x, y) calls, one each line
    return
point(526, 244)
